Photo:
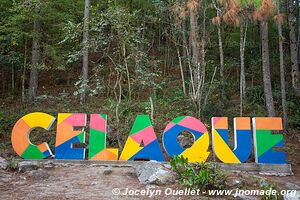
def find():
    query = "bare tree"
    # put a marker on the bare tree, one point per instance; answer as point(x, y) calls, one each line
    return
point(184, 46)
point(243, 37)
point(238, 16)
point(217, 22)
point(35, 60)
point(127, 70)
point(179, 12)
point(266, 68)
point(24, 71)
point(293, 48)
point(193, 7)
point(197, 67)
point(85, 53)
point(263, 15)
point(118, 96)
point(181, 70)
point(279, 18)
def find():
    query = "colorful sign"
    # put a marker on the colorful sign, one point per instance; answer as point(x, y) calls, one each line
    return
point(142, 142)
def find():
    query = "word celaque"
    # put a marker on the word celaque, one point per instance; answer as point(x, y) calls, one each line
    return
point(142, 142)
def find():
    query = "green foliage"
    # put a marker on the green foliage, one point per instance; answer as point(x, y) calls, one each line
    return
point(8, 120)
point(256, 95)
point(17, 30)
point(272, 187)
point(203, 176)
point(12, 164)
point(249, 3)
point(136, 39)
point(294, 114)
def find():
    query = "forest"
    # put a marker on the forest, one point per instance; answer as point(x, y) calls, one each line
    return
point(171, 58)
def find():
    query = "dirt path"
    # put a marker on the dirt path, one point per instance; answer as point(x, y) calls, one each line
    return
point(74, 182)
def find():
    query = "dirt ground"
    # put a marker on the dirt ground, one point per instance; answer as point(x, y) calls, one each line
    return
point(88, 181)
point(75, 182)
point(91, 182)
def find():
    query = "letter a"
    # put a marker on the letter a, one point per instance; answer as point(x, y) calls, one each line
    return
point(142, 132)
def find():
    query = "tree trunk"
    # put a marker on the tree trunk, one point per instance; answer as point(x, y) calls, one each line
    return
point(293, 49)
point(85, 59)
point(184, 47)
point(221, 52)
point(210, 86)
point(12, 77)
point(298, 24)
point(35, 61)
point(24, 71)
point(203, 52)
point(195, 73)
point(282, 66)
point(127, 71)
point(118, 96)
point(152, 109)
point(282, 76)
point(194, 39)
point(3, 81)
point(243, 36)
point(266, 68)
point(221, 63)
point(181, 70)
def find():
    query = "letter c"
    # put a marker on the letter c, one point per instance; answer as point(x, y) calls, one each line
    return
point(21, 131)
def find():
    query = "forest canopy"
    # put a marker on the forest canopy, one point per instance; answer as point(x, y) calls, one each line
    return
point(166, 58)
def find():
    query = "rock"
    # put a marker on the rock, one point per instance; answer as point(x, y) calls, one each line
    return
point(236, 182)
point(151, 166)
point(107, 171)
point(28, 166)
point(49, 165)
point(153, 172)
point(38, 174)
point(161, 177)
point(94, 183)
point(5, 178)
point(66, 164)
point(263, 182)
point(292, 186)
point(243, 197)
point(292, 196)
point(131, 174)
point(3, 163)
point(167, 166)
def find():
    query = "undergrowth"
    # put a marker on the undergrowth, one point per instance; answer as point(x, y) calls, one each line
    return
point(203, 176)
